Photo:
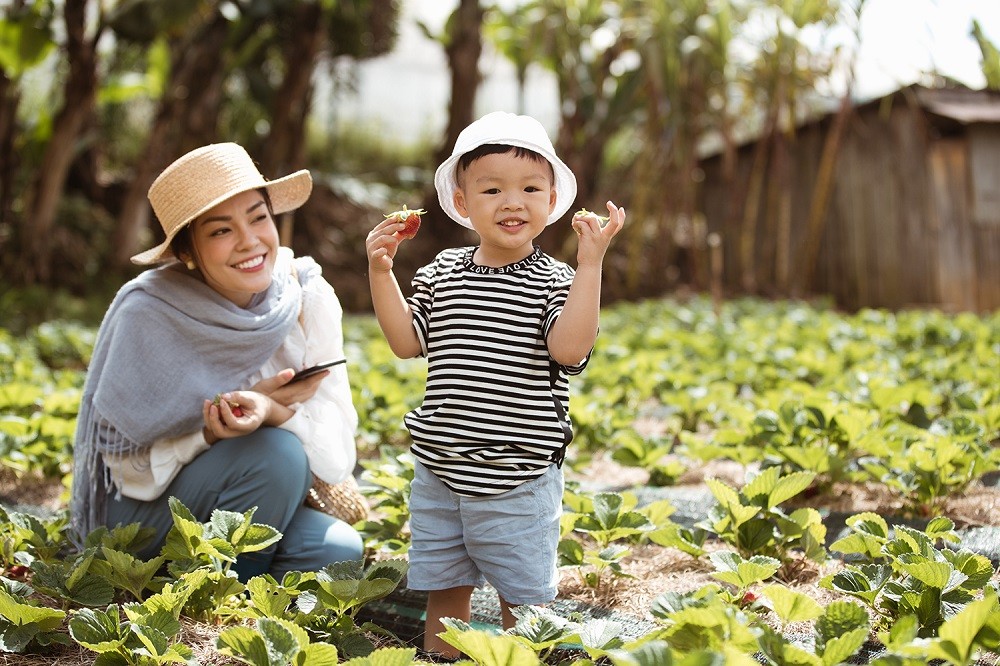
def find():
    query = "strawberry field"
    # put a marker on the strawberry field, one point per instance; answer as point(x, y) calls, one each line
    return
point(775, 483)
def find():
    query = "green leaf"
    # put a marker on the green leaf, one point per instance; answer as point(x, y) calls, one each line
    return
point(487, 649)
point(741, 573)
point(267, 597)
point(840, 617)
point(385, 657)
point(931, 574)
point(324, 654)
point(789, 486)
point(97, 630)
point(130, 573)
point(755, 535)
point(246, 643)
point(651, 653)
point(791, 606)
point(956, 640)
point(18, 613)
point(838, 650)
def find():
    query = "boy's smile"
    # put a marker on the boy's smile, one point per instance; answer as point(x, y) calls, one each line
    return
point(508, 200)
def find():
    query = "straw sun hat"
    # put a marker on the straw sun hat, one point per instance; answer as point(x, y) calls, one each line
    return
point(512, 130)
point(204, 178)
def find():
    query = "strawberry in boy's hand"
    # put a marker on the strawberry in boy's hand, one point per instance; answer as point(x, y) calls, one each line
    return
point(233, 406)
point(583, 212)
point(410, 218)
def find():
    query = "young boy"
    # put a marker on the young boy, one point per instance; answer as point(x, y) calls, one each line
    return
point(502, 325)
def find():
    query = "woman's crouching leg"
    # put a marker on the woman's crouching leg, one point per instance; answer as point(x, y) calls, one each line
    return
point(313, 540)
point(275, 480)
point(266, 469)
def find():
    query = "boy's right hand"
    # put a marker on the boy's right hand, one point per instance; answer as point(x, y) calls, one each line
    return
point(382, 243)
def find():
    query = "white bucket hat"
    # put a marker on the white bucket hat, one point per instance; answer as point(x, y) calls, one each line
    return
point(512, 130)
point(204, 178)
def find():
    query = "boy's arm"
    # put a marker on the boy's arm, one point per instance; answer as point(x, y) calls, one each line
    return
point(391, 310)
point(575, 331)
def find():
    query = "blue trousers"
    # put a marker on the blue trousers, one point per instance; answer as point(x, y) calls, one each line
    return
point(266, 469)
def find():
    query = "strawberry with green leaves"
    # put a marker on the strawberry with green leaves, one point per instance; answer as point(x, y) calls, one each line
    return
point(233, 406)
point(410, 220)
point(583, 212)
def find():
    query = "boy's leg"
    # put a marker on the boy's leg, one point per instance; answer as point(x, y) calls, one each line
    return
point(513, 539)
point(506, 617)
point(439, 562)
point(454, 602)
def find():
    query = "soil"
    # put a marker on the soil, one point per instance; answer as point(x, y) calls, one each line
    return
point(654, 570)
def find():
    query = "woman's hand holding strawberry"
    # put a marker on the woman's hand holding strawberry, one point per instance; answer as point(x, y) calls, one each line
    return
point(237, 413)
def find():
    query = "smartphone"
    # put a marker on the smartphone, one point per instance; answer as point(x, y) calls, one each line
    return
point(319, 367)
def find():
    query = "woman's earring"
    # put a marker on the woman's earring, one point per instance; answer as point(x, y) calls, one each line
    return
point(190, 264)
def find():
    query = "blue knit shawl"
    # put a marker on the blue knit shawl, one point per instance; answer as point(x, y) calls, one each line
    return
point(167, 342)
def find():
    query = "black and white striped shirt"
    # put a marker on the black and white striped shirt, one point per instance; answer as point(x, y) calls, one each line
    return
point(489, 421)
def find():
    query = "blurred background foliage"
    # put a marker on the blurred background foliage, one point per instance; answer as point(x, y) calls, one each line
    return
point(97, 96)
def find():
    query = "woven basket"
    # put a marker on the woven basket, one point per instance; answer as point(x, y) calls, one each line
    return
point(342, 500)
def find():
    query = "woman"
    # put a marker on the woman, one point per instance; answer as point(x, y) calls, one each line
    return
point(229, 313)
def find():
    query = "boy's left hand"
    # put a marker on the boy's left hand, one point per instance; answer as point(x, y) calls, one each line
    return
point(595, 238)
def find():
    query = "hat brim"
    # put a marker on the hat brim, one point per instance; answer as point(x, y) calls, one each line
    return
point(446, 180)
point(286, 193)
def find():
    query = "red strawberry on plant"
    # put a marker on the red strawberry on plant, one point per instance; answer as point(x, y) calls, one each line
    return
point(233, 406)
point(411, 220)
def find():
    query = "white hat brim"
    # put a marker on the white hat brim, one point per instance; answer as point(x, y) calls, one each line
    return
point(446, 181)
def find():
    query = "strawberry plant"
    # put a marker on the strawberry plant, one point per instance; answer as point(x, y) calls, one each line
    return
point(606, 518)
point(541, 630)
point(329, 600)
point(904, 573)
point(802, 437)
point(73, 580)
point(487, 649)
point(274, 641)
point(704, 619)
point(191, 544)
point(925, 466)
point(634, 450)
point(840, 630)
point(752, 521)
point(144, 638)
point(25, 538)
point(388, 492)
point(742, 573)
point(23, 622)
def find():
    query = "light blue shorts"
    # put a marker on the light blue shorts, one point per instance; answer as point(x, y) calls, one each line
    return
point(508, 540)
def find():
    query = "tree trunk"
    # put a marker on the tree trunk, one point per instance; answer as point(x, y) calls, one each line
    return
point(79, 95)
point(465, 45)
point(284, 150)
point(10, 97)
point(197, 66)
